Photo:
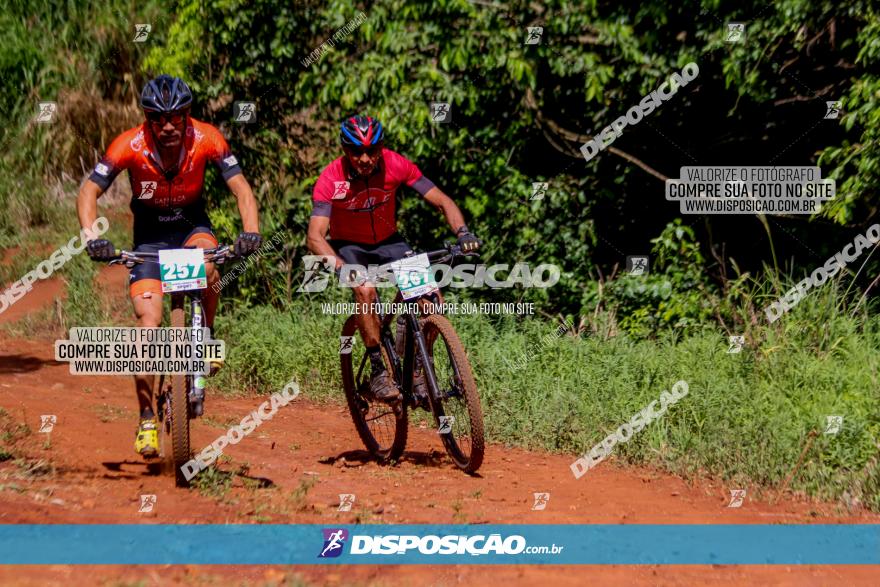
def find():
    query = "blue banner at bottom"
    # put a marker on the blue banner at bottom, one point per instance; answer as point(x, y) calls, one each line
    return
point(300, 544)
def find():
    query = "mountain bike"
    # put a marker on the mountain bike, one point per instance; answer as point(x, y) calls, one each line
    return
point(179, 397)
point(452, 395)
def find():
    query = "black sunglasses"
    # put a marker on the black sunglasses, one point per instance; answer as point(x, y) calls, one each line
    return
point(371, 151)
point(159, 118)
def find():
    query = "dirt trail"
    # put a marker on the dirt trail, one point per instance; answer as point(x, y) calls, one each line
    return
point(300, 461)
point(43, 295)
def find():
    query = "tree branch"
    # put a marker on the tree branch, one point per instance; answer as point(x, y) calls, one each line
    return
point(799, 98)
point(569, 135)
point(638, 163)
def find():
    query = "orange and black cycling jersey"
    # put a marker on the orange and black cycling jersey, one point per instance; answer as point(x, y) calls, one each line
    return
point(166, 203)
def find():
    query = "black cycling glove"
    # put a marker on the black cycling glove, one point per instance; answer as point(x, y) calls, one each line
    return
point(247, 243)
point(101, 250)
point(468, 242)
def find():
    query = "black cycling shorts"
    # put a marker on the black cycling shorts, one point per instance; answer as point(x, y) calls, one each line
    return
point(391, 249)
point(145, 277)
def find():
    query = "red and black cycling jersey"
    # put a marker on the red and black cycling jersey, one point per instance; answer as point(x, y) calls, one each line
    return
point(363, 209)
point(166, 204)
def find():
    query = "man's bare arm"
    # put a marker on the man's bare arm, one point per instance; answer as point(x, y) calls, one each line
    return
point(316, 240)
point(444, 203)
point(87, 203)
point(247, 203)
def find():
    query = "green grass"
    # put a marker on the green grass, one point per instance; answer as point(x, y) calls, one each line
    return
point(45, 56)
point(746, 418)
point(267, 348)
point(213, 482)
point(12, 435)
point(85, 303)
point(297, 500)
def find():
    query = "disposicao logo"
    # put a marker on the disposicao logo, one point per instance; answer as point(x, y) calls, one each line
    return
point(334, 540)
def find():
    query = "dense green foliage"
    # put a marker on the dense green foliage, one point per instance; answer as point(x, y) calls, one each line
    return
point(521, 111)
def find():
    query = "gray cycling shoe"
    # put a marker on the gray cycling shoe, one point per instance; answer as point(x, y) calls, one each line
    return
point(420, 386)
point(383, 388)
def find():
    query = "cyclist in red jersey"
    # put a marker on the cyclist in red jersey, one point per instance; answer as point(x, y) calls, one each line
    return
point(165, 158)
point(354, 200)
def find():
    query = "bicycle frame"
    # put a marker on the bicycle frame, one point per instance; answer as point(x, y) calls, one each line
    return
point(217, 255)
point(197, 313)
point(414, 341)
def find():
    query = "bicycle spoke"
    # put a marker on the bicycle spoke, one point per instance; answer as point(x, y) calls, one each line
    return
point(382, 415)
point(378, 419)
point(453, 401)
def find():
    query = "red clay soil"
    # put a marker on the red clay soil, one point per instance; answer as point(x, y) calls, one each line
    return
point(307, 455)
point(43, 295)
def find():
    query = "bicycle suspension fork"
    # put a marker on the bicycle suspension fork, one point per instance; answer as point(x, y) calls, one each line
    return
point(417, 344)
point(197, 389)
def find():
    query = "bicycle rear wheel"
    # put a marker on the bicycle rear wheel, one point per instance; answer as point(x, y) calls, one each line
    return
point(382, 428)
point(179, 400)
point(458, 397)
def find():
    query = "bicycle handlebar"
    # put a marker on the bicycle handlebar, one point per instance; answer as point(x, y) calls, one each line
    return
point(217, 255)
point(449, 252)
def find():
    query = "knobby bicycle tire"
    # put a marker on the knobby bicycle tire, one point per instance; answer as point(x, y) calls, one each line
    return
point(392, 450)
point(436, 327)
point(179, 405)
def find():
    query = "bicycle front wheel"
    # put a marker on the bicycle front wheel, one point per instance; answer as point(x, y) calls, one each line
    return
point(382, 428)
point(180, 450)
point(456, 406)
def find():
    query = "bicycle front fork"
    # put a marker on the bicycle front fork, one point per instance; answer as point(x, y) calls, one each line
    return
point(416, 344)
point(197, 380)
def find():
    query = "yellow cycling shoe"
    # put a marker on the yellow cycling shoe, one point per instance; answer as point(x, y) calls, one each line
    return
point(216, 365)
point(146, 442)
